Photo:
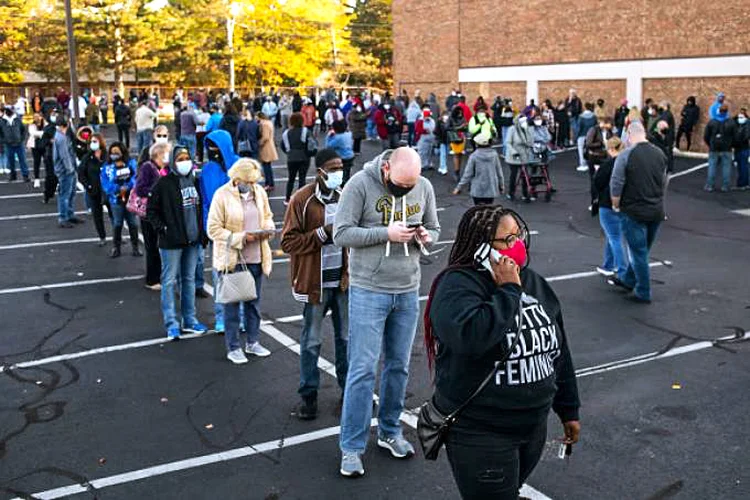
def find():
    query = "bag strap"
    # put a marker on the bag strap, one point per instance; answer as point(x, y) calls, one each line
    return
point(455, 414)
point(241, 258)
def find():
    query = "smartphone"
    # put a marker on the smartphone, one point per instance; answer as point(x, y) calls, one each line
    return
point(414, 225)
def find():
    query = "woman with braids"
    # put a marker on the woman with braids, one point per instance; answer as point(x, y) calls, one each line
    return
point(471, 321)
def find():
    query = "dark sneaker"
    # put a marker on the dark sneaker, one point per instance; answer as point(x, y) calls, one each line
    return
point(307, 409)
point(76, 220)
point(137, 252)
point(397, 445)
point(637, 300)
point(115, 252)
point(615, 281)
point(65, 225)
point(351, 465)
point(202, 294)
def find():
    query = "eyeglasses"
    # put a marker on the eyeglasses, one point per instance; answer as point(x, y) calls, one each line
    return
point(163, 136)
point(511, 239)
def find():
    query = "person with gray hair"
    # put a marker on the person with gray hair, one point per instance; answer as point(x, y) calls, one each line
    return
point(637, 192)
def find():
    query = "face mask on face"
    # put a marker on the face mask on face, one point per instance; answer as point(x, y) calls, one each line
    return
point(114, 156)
point(481, 115)
point(334, 179)
point(517, 252)
point(652, 112)
point(184, 167)
point(162, 140)
point(387, 107)
point(359, 109)
point(94, 146)
point(53, 119)
point(243, 187)
point(741, 119)
point(397, 191)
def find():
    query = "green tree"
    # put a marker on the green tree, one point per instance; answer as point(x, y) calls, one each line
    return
point(372, 34)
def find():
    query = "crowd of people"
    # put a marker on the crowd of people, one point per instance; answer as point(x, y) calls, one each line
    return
point(355, 241)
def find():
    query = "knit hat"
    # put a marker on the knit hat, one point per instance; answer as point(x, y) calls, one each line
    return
point(324, 156)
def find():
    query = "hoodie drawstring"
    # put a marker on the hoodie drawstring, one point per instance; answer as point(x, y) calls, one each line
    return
point(392, 218)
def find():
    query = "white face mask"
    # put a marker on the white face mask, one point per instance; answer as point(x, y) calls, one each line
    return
point(184, 167)
point(334, 180)
point(387, 107)
point(94, 146)
point(741, 119)
point(165, 159)
point(162, 140)
point(481, 115)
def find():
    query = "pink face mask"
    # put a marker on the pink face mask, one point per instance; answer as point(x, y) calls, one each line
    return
point(517, 252)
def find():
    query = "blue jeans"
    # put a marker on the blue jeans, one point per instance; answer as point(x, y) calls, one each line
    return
point(640, 237)
point(741, 157)
point(178, 264)
point(377, 321)
point(11, 152)
point(716, 160)
point(251, 316)
point(443, 158)
point(200, 279)
point(506, 133)
point(190, 142)
point(614, 250)
point(334, 300)
point(66, 193)
point(144, 139)
point(120, 214)
point(411, 127)
point(268, 174)
point(574, 123)
point(372, 130)
point(581, 143)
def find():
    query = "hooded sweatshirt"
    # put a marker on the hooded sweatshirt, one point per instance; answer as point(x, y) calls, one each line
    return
point(366, 209)
point(485, 173)
point(214, 174)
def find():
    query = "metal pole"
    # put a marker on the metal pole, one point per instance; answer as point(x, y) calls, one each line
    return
point(72, 61)
point(230, 44)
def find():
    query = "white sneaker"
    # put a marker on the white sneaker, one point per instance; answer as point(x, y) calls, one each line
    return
point(605, 272)
point(37, 183)
point(257, 350)
point(583, 168)
point(237, 357)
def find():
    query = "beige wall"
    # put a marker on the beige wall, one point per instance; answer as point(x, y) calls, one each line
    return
point(612, 91)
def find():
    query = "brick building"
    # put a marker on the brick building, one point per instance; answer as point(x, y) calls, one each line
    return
point(539, 49)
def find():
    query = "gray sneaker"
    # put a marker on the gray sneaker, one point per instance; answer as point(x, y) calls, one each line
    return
point(351, 465)
point(398, 446)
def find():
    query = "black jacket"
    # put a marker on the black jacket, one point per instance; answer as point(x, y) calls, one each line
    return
point(574, 106)
point(742, 136)
point(122, 114)
point(642, 196)
point(601, 182)
point(620, 114)
point(89, 173)
point(165, 213)
point(690, 116)
point(474, 322)
point(719, 135)
point(14, 133)
point(230, 123)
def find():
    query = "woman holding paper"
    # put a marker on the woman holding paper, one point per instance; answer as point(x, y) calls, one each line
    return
point(240, 223)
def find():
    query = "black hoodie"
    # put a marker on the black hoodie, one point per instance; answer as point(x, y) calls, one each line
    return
point(475, 322)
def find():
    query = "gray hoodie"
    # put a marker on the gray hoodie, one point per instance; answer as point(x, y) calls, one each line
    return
point(362, 219)
point(485, 174)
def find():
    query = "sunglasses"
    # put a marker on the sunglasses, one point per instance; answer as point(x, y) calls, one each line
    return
point(162, 136)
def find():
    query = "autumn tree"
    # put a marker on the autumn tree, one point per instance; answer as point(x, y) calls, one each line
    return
point(372, 34)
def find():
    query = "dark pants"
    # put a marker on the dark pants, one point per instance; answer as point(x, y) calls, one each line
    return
point(50, 179)
point(97, 212)
point(268, 173)
point(123, 134)
point(515, 174)
point(199, 136)
point(687, 132)
point(483, 201)
point(104, 115)
point(153, 258)
point(592, 185)
point(411, 129)
point(640, 237)
point(357, 146)
point(296, 169)
point(563, 134)
point(348, 164)
point(490, 464)
point(37, 155)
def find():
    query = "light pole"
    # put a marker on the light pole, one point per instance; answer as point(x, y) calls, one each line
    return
point(234, 10)
point(72, 61)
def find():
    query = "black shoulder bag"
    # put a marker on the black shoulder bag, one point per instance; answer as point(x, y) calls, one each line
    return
point(433, 426)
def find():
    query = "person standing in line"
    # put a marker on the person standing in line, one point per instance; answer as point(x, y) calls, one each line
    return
point(386, 214)
point(144, 124)
point(615, 258)
point(174, 211)
point(309, 114)
point(357, 120)
point(389, 125)
point(229, 122)
point(240, 223)
point(584, 123)
point(742, 149)
point(189, 129)
point(595, 146)
point(621, 114)
point(484, 172)
point(424, 137)
point(319, 272)
point(294, 145)
point(506, 123)
point(14, 135)
point(457, 126)
point(104, 108)
point(719, 136)
point(149, 172)
point(47, 144)
point(690, 115)
point(267, 150)
point(34, 143)
point(247, 135)
point(574, 108)
point(637, 191)
point(520, 146)
point(715, 110)
point(285, 110)
point(65, 170)
point(562, 125)
point(270, 109)
point(412, 115)
point(202, 116)
point(117, 180)
point(441, 136)
point(92, 115)
point(475, 310)
point(340, 140)
point(123, 120)
point(89, 174)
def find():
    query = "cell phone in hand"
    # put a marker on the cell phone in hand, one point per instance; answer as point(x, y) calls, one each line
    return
point(414, 225)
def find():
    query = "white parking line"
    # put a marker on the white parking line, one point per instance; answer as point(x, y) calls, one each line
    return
point(50, 243)
point(19, 196)
point(69, 284)
point(745, 212)
point(35, 216)
point(688, 171)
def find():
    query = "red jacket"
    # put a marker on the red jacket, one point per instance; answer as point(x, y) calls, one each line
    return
point(465, 109)
point(380, 121)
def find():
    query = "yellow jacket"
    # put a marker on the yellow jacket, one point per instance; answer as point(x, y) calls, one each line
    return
point(227, 217)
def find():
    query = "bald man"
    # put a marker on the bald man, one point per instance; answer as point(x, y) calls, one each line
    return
point(386, 217)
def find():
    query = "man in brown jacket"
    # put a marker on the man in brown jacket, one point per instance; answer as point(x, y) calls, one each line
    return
point(319, 274)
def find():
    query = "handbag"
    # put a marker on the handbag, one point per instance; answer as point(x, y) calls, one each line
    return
point(311, 145)
point(137, 204)
point(234, 287)
point(433, 425)
point(244, 146)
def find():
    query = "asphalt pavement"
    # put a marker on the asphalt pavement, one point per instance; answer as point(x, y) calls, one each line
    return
point(97, 403)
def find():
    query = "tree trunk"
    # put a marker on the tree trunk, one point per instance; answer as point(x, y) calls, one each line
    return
point(119, 64)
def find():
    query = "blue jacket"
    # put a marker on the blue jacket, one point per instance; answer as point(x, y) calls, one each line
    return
point(248, 130)
point(214, 175)
point(213, 122)
point(342, 144)
point(114, 179)
point(713, 111)
point(586, 120)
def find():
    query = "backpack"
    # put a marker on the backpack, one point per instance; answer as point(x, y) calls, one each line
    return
point(311, 145)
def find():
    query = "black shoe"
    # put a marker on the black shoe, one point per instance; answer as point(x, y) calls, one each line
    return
point(102, 242)
point(200, 293)
point(307, 409)
point(66, 225)
point(615, 281)
point(115, 252)
point(76, 220)
point(637, 300)
point(26, 179)
point(137, 252)
point(13, 178)
point(45, 200)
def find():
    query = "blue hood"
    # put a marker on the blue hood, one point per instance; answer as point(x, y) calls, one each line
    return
point(224, 141)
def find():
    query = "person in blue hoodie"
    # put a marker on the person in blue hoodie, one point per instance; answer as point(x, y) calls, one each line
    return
point(340, 140)
point(118, 179)
point(586, 121)
point(215, 119)
point(214, 174)
point(713, 111)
